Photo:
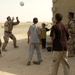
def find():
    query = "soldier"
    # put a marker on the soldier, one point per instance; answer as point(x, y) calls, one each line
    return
point(8, 27)
point(71, 29)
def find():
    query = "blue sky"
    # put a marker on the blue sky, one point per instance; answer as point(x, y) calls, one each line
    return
point(32, 8)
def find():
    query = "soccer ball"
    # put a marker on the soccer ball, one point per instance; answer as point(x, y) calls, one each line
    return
point(21, 3)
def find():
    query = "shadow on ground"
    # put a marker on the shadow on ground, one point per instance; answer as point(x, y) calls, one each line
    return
point(14, 61)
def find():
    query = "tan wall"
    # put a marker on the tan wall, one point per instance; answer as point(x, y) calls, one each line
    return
point(63, 7)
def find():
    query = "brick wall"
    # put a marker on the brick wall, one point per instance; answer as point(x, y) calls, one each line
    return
point(63, 7)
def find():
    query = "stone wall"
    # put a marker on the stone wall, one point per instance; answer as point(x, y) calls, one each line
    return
point(63, 7)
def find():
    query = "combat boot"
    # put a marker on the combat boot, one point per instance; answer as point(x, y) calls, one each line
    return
point(16, 46)
point(3, 49)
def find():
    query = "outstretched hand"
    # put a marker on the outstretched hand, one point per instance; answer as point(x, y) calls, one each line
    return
point(12, 18)
point(16, 18)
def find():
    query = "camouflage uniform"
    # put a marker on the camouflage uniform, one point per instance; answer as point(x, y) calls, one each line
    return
point(71, 43)
point(8, 26)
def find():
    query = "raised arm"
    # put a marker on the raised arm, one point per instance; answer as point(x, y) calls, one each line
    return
point(17, 22)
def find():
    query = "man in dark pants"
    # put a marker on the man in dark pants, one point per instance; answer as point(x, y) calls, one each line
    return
point(8, 27)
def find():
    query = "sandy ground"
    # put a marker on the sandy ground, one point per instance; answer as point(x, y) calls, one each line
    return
point(14, 61)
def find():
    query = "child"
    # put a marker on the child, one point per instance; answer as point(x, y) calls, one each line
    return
point(43, 35)
point(34, 42)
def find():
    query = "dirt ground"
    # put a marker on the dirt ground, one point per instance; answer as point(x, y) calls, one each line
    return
point(14, 61)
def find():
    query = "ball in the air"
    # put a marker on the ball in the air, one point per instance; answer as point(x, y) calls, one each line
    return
point(21, 3)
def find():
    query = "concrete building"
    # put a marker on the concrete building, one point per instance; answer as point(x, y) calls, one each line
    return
point(63, 7)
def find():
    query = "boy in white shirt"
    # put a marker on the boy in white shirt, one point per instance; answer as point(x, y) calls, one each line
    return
point(34, 41)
